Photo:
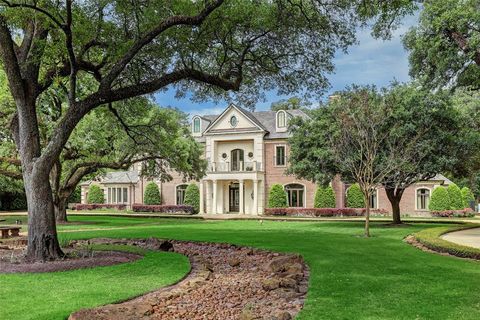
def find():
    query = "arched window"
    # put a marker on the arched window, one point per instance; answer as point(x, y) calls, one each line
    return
point(423, 199)
point(196, 125)
point(281, 119)
point(237, 158)
point(295, 194)
point(181, 193)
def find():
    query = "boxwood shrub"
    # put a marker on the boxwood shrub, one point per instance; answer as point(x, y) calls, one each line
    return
point(192, 197)
point(324, 197)
point(277, 197)
point(355, 197)
point(95, 195)
point(430, 238)
point(455, 197)
point(439, 200)
point(467, 196)
point(152, 194)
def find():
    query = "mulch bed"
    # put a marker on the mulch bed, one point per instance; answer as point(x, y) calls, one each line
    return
point(12, 260)
point(226, 282)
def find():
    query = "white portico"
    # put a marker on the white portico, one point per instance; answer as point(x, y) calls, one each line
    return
point(235, 177)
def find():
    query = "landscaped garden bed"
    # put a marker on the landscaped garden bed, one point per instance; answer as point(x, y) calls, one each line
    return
point(226, 282)
point(175, 209)
point(431, 239)
point(463, 213)
point(321, 212)
point(96, 206)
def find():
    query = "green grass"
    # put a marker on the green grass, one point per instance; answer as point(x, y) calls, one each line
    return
point(431, 238)
point(55, 295)
point(351, 277)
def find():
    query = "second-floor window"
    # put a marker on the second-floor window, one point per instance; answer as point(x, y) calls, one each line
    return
point(280, 158)
point(196, 125)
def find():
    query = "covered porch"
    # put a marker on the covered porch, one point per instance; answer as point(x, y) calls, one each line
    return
point(239, 196)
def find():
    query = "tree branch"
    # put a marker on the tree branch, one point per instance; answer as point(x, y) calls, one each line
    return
point(168, 23)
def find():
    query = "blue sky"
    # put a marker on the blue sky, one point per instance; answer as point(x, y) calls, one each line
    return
point(372, 61)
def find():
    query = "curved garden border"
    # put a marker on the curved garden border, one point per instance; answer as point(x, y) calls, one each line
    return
point(225, 282)
point(431, 239)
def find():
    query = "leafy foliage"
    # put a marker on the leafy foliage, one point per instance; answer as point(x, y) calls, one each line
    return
point(355, 198)
point(95, 195)
point(455, 197)
point(467, 197)
point(277, 197)
point(192, 197)
point(76, 196)
point(439, 201)
point(445, 46)
point(324, 197)
point(152, 194)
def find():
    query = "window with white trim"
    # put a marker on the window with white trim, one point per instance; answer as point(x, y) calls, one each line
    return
point(281, 119)
point(295, 194)
point(373, 200)
point(423, 198)
point(117, 195)
point(280, 157)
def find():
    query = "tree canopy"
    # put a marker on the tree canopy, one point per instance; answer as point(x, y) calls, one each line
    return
point(445, 45)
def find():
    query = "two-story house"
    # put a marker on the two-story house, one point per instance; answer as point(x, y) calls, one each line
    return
point(247, 152)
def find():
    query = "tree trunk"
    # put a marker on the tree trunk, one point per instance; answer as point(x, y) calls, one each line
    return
point(394, 195)
point(60, 208)
point(367, 214)
point(42, 233)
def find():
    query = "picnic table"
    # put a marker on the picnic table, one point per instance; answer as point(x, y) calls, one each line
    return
point(8, 231)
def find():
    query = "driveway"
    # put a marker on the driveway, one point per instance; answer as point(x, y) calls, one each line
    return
point(469, 237)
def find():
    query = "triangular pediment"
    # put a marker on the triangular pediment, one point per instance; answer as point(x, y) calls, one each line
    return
point(234, 119)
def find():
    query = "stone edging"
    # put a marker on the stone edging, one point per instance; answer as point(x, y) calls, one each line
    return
point(225, 282)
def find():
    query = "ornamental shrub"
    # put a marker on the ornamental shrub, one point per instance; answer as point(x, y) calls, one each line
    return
point(277, 197)
point(467, 196)
point(95, 195)
point(455, 197)
point(355, 197)
point(324, 198)
point(192, 197)
point(439, 200)
point(152, 194)
point(76, 196)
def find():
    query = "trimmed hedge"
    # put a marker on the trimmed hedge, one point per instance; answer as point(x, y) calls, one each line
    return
point(467, 196)
point(95, 195)
point(324, 198)
point(320, 212)
point(152, 194)
point(95, 206)
point(463, 213)
point(355, 197)
point(182, 209)
point(192, 197)
point(277, 197)
point(439, 200)
point(430, 238)
point(455, 197)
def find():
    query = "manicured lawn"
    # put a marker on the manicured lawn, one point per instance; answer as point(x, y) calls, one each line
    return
point(351, 277)
point(55, 295)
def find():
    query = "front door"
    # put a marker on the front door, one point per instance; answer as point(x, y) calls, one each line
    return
point(234, 198)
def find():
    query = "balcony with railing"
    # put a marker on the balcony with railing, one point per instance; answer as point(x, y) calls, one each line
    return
point(235, 166)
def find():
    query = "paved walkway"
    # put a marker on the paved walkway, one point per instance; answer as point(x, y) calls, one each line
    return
point(468, 237)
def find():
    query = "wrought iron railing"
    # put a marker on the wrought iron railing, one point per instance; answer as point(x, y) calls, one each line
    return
point(235, 166)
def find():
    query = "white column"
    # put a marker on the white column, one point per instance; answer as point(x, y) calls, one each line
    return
point(214, 201)
point(209, 196)
point(202, 195)
point(255, 197)
point(242, 200)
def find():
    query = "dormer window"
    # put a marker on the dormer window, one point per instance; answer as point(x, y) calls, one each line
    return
point(281, 119)
point(196, 125)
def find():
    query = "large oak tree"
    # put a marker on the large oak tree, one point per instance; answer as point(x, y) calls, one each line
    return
point(135, 48)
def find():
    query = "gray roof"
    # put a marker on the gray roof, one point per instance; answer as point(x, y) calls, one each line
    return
point(441, 177)
point(120, 177)
point(265, 120)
